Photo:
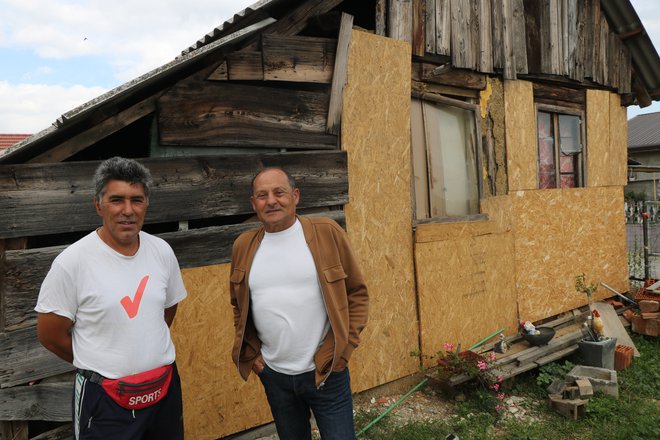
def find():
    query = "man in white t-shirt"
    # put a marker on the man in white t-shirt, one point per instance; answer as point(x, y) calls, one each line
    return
point(300, 303)
point(106, 306)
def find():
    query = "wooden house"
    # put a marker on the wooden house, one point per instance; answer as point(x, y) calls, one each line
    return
point(475, 151)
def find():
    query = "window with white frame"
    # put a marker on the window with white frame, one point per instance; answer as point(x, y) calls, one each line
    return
point(445, 155)
point(560, 147)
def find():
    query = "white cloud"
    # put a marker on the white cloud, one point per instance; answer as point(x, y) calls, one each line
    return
point(29, 108)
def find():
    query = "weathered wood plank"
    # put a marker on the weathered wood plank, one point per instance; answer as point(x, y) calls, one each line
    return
point(400, 20)
point(381, 17)
point(99, 131)
point(418, 26)
point(497, 23)
point(48, 402)
point(339, 75)
point(533, 37)
point(17, 430)
point(244, 65)
point(443, 27)
point(26, 269)
point(220, 73)
point(485, 52)
point(463, 35)
point(519, 43)
point(64, 432)
point(457, 78)
point(25, 359)
point(237, 115)
point(508, 49)
point(571, 29)
point(296, 58)
point(552, 93)
point(429, 26)
point(184, 188)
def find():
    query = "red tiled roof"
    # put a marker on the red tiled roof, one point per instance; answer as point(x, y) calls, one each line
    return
point(7, 140)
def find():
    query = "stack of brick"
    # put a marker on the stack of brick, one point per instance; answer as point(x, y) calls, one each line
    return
point(647, 322)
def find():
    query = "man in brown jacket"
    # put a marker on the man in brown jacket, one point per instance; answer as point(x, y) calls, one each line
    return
point(300, 303)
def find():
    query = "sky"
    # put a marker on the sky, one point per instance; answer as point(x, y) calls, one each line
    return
point(58, 54)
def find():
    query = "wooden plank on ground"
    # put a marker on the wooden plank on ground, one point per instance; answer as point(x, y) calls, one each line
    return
point(612, 326)
point(48, 402)
point(184, 189)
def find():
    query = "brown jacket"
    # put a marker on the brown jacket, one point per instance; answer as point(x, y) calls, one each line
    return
point(342, 285)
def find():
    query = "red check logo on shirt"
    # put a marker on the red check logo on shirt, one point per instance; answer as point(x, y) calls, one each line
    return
point(132, 305)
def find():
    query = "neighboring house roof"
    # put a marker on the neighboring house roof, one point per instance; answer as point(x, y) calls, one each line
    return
point(7, 140)
point(644, 132)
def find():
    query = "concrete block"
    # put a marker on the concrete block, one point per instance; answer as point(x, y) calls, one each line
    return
point(602, 379)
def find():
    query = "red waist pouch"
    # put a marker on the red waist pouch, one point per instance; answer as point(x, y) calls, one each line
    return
point(140, 390)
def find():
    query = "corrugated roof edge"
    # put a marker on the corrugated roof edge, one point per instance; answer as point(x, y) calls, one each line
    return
point(141, 80)
point(216, 32)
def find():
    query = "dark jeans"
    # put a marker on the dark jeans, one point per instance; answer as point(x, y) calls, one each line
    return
point(292, 397)
point(97, 416)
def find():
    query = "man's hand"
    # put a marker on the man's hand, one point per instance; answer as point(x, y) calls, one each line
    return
point(258, 365)
point(54, 333)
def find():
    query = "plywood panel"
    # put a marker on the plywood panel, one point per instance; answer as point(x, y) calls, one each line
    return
point(216, 401)
point(375, 130)
point(560, 234)
point(598, 138)
point(618, 164)
point(520, 133)
point(466, 281)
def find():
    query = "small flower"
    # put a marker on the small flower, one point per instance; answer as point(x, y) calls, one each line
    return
point(482, 365)
point(492, 356)
point(500, 379)
point(499, 408)
point(448, 346)
point(500, 396)
point(495, 386)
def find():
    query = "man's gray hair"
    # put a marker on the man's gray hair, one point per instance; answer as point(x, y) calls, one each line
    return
point(120, 168)
point(289, 177)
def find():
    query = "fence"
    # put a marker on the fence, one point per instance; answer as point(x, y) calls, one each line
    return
point(643, 239)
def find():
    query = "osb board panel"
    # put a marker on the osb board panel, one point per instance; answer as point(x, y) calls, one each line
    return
point(618, 172)
point(560, 234)
point(466, 288)
point(375, 130)
point(216, 401)
point(498, 210)
point(607, 140)
point(520, 134)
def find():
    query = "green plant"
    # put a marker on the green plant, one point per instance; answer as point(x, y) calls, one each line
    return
point(548, 373)
point(582, 286)
point(636, 261)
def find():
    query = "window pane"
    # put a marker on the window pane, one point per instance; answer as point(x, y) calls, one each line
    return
point(567, 167)
point(547, 178)
point(569, 134)
point(452, 160)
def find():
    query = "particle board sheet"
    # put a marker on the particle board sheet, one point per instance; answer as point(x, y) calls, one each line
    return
point(607, 140)
point(466, 288)
point(216, 400)
point(375, 131)
point(520, 135)
point(560, 234)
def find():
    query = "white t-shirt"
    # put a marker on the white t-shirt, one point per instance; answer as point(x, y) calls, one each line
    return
point(116, 302)
point(287, 305)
